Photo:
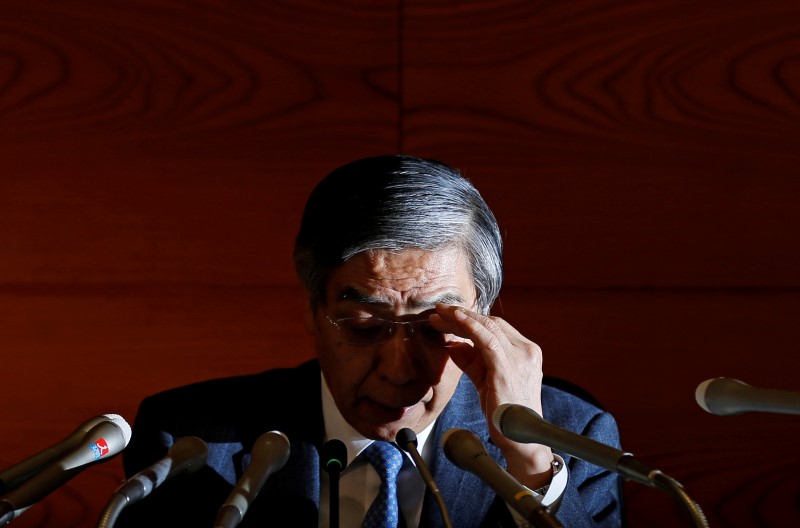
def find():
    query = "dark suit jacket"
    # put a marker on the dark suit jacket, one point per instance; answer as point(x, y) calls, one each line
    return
point(230, 414)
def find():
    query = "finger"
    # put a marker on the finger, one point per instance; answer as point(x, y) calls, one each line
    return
point(492, 328)
point(469, 360)
point(482, 330)
point(450, 319)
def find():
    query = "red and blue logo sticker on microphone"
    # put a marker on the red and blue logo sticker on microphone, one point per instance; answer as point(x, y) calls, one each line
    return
point(100, 448)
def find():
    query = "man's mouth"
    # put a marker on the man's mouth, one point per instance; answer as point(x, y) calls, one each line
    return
point(391, 413)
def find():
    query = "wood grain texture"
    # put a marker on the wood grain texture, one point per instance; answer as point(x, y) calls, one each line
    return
point(641, 158)
point(656, 141)
point(156, 157)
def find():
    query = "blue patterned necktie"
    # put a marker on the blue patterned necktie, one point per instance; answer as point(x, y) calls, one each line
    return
point(387, 461)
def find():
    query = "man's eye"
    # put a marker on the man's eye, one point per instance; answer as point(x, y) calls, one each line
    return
point(366, 327)
point(427, 332)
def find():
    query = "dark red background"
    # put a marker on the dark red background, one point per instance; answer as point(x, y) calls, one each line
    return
point(641, 157)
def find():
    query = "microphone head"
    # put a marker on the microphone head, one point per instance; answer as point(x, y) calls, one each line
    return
point(91, 422)
point(188, 454)
point(107, 439)
point(103, 441)
point(700, 394)
point(462, 447)
point(719, 395)
point(497, 416)
point(520, 424)
point(272, 447)
point(406, 436)
point(124, 427)
point(334, 456)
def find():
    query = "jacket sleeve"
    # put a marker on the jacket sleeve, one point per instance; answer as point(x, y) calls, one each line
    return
point(593, 494)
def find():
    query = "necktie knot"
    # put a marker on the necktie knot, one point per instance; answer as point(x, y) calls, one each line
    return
point(387, 460)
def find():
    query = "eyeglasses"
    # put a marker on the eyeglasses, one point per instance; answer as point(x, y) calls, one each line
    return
point(372, 331)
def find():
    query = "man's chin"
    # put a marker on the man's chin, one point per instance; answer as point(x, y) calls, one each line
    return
point(385, 422)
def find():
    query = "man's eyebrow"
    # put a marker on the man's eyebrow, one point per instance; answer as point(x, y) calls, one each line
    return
point(444, 298)
point(352, 294)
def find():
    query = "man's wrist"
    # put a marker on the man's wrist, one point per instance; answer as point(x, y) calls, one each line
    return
point(550, 494)
point(531, 466)
point(557, 465)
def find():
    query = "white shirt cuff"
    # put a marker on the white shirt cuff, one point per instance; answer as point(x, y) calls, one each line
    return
point(551, 495)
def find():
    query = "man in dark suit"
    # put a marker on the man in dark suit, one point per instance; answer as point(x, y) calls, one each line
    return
point(401, 260)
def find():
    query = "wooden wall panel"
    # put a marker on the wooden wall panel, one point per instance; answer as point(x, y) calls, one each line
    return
point(640, 157)
point(634, 144)
point(156, 157)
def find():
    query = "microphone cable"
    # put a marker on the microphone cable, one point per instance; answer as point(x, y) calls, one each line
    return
point(334, 460)
point(406, 439)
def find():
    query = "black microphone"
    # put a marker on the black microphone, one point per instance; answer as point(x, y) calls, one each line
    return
point(726, 396)
point(100, 443)
point(334, 460)
point(524, 425)
point(270, 453)
point(407, 440)
point(12, 477)
point(464, 449)
point(187, 454)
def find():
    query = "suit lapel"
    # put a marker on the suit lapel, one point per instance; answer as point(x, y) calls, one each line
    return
point(466, 496)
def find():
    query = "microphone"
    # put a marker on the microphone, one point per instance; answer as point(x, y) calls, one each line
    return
point(100, 443)
point(726, 396)
point(187, 455)
point(12, 477)
point(464, 449)
point(524, 425)
point(407, 440)
point(270, 453)
point(334, 460)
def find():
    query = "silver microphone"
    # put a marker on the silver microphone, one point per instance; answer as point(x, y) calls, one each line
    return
point(524, 425)
point(270, 453)
point(187, 454)
point(100, 443)
point(464, 449)
point(12, 477)
point(726, 396)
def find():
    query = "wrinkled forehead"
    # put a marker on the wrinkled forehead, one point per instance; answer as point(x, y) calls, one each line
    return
point(411, 279)
point(416, 300)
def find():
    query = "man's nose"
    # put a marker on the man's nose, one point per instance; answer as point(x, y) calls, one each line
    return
point(397, 356)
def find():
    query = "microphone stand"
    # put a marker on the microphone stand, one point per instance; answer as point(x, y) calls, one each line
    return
point(334, 499)
point(334, 456)
point(674, 488)
point(407, 440)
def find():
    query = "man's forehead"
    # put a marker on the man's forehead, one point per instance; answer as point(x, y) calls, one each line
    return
point(410, 278)
point(414, 300)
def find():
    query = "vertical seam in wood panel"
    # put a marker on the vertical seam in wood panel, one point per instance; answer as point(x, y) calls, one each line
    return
point(400, 70)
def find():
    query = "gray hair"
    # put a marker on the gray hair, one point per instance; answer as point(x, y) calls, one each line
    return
point(395, 203)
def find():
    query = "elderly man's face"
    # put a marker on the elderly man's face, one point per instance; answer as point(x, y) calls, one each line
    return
point(381, 386)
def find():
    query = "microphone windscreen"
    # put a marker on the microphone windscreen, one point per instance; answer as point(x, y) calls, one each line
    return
point(700, 394)
point(404, 437)
point(124, 427)
point(334, 455)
